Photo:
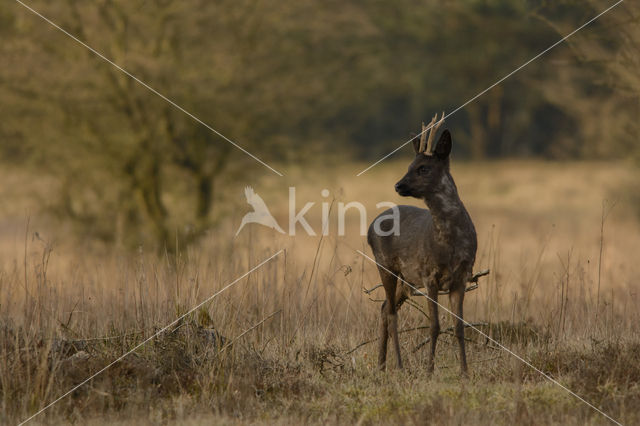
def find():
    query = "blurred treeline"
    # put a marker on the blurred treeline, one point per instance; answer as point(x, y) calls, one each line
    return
point(293, 81)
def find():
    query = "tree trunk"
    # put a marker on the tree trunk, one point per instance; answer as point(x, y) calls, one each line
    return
point(478, 132)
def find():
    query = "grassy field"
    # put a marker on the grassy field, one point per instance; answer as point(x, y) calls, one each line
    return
point(561, 240)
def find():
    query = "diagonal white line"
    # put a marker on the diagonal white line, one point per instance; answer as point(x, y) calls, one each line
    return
point(498, 82)
point(145, 85)
point(533, 367)
point(147, 340)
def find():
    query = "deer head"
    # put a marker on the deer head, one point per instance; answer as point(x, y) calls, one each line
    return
point(431, 163)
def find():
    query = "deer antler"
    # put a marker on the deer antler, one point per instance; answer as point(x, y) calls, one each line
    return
point(423, 137)
point(433, 128)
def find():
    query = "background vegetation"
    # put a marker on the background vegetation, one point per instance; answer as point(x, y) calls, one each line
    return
point(293, 81)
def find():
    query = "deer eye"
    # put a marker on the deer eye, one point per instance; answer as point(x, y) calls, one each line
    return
point(422, 170)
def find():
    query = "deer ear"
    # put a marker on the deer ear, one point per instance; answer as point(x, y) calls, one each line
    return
point(443, 148)
point(415, 141)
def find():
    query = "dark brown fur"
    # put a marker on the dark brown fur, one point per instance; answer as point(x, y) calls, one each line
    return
point(435, 248)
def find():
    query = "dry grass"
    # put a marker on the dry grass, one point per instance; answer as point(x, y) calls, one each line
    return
point(539, 231)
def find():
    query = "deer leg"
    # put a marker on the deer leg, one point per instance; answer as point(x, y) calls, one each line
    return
point(389, 323)
point(393, 330)
point(456, 299)
point(435, 324)
point(384, 336)
point(401, 293)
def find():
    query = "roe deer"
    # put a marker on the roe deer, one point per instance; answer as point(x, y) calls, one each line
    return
point(435, 248)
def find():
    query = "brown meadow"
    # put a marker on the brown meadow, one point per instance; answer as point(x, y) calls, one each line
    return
point(561, 240)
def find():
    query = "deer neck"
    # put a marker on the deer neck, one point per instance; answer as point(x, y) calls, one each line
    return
point(445, 206)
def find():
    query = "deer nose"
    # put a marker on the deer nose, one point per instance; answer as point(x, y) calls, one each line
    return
point(401, 188)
